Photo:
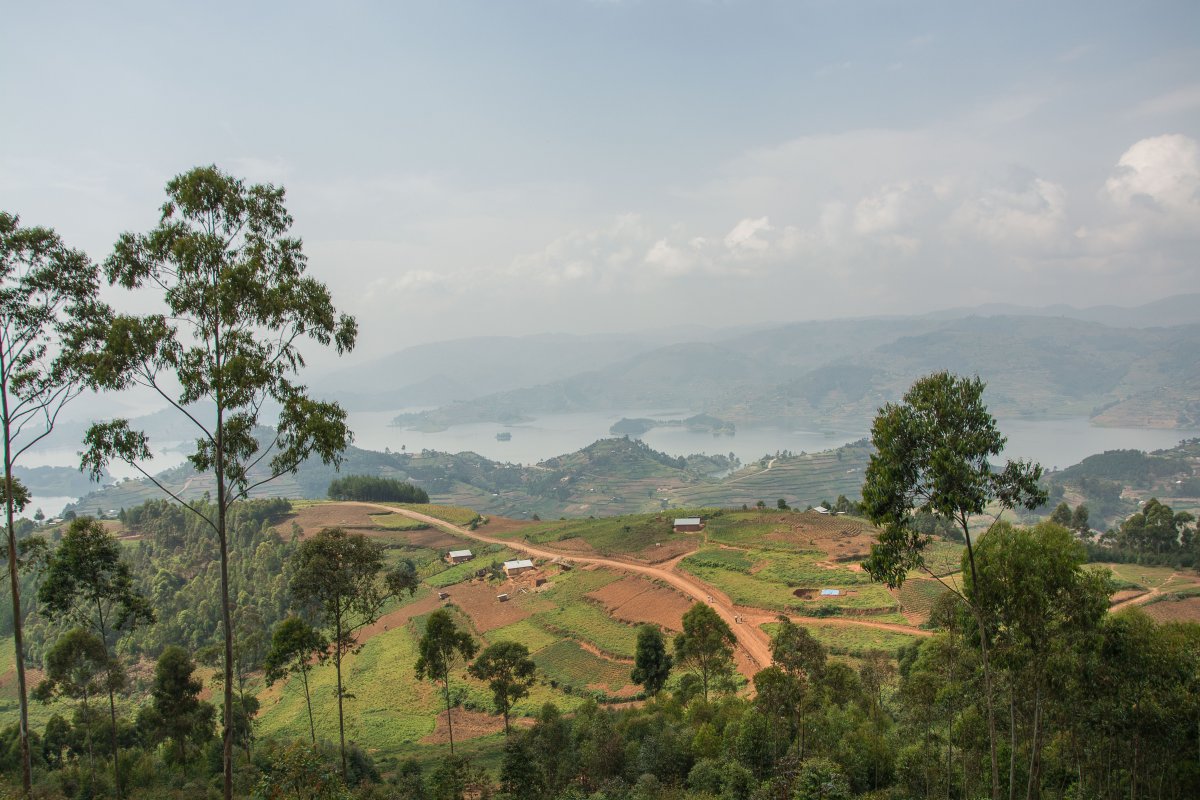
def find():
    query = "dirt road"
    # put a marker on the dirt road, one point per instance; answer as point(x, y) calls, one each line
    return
point(752, 639)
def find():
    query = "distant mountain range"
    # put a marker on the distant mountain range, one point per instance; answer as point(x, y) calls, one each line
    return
point(838, 374)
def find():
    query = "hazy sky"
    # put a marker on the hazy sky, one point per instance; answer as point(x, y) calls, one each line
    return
point(459, 168)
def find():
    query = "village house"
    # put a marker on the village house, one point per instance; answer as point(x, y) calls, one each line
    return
point(519, 567)
point(689, 524)
point(459, 556)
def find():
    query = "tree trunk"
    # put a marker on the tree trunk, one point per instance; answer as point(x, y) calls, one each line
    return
point(987, 670)
point(337, 665)
point(308, 702)
point(15, 587)
point(1012, 743)
point(226, 619)
point(449, 716)
point(1035, 747)
point(112, 703)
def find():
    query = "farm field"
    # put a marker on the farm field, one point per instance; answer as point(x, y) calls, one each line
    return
point(642, 537)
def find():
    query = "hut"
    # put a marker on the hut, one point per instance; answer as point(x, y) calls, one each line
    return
point(519, 567)
point(689, 524)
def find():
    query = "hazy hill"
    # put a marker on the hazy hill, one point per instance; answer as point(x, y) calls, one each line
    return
point(839, 373)
point(443, 372)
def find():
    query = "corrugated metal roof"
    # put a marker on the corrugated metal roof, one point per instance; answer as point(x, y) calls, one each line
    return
point(460, 553)
point(688, 521)
point(831, 592)
point(523, 563)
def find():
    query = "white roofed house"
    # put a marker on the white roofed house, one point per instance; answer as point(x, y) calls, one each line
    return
point(459, 556)
point(518, 567)
point(688, 524)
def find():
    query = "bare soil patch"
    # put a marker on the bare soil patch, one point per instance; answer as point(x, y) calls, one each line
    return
point(668, 550)
point(1125, 594)
point(1186, 610)
point(434, 539)
point(478, 600)
point(331, 515)
point(638, 600)
point(497, 526)
point(400, 616)
point(471, 725)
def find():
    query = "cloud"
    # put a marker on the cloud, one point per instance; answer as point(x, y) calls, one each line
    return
point(1160, 174)
point(745, 236)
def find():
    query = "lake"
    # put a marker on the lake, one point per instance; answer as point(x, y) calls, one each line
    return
point(1051, 442)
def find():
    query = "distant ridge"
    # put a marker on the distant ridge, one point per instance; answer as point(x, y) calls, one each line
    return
point(1180, 309)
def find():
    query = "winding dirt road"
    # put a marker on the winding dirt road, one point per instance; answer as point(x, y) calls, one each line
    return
point(752, 639)
point(743, 621)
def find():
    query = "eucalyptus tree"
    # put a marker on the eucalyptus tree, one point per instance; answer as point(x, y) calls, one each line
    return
point(86, 581)
point(443, 645)
point(705, 645)
point(78, 667)
point(293, 644)
point(225, 347)
point(508, 671)
point(44, 288)
point(341, 580)
point(933, 454)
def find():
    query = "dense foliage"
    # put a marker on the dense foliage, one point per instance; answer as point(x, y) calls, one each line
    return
point(383, 490)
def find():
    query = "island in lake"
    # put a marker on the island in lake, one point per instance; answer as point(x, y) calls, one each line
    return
point(503, 436)
point(701, 423)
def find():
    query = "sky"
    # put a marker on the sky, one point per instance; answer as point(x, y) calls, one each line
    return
point(577, 166)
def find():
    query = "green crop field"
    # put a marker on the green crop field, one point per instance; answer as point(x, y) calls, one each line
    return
point(625, 535)
point(769, 588)
point(853, 640)
point(455, 515)
point(917, 595)
point(398, 522)
point(570, 665)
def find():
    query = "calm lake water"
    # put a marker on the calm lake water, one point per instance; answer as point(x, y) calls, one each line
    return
point(1051, 442)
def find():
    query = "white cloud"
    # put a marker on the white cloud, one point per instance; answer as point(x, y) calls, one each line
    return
point(1160, 174)
point(745, 236)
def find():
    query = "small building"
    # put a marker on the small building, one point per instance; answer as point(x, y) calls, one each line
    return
point(689, 524)
point(459, 556)
point(503, 598)
point(519, 567)
point(831, 592)
point(821, 510)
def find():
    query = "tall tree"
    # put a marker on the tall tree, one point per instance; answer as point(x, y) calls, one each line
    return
point(705, 645)
point(45, 288)
point(176, 711)
point(236, 307)
point(293, 644)
point(651, 661)
point(932, 454)
point(441, 648)
point(78, 667)
point(508, 671)
point(1045, 609)
point(87, 581)
point(340, 579)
